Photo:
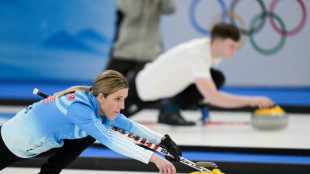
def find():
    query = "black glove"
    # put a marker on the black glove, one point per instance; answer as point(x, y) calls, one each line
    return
point(172, 148)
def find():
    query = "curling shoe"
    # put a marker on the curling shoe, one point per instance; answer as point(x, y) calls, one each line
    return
point(174, 118)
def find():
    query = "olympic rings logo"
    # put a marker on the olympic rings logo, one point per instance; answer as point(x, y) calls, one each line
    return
point(256, 24)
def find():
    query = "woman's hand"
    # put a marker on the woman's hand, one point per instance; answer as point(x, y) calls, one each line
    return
point(261, 102)
point(164, 166)
point(172, 148)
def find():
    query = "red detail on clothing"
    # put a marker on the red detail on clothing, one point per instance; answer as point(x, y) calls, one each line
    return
point(156, 147)
point(149, 144)
point(137, 138)
point(49, 99)
point(143, 141)
point(71, 96)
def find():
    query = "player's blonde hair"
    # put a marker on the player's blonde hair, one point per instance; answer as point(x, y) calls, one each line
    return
point(106, 83)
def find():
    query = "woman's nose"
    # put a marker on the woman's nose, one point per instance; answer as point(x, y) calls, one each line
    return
point(122, 105)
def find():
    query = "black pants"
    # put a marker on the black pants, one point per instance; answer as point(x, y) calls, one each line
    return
point(59, 158)
point(187, 98)
point(191, 96)
point(127, 67)
point(65, 155)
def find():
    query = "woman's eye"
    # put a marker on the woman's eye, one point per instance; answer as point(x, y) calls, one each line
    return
point(117, 99)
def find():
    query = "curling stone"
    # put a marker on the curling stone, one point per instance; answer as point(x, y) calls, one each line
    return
point(269, 119)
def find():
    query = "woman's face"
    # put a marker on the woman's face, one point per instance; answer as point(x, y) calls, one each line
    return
point(112, 104)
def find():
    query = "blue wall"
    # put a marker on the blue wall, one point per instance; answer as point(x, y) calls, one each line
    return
point(55, 40)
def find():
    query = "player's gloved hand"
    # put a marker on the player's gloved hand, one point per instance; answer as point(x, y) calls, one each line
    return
point(172, 148)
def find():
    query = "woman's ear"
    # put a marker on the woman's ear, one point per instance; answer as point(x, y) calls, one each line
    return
point(100, 98)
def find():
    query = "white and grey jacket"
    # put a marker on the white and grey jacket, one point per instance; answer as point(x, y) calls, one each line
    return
point(139, 36)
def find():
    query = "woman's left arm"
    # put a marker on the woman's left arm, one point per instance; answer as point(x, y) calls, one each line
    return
point(137, 129)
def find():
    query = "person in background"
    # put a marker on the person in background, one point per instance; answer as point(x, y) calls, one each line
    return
point(80, 113)
point(185, 75)
point(138, 39)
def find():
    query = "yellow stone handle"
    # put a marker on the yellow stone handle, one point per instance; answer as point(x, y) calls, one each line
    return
point(275, 110)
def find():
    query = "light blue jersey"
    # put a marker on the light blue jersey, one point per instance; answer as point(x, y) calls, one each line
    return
point(45, 124)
